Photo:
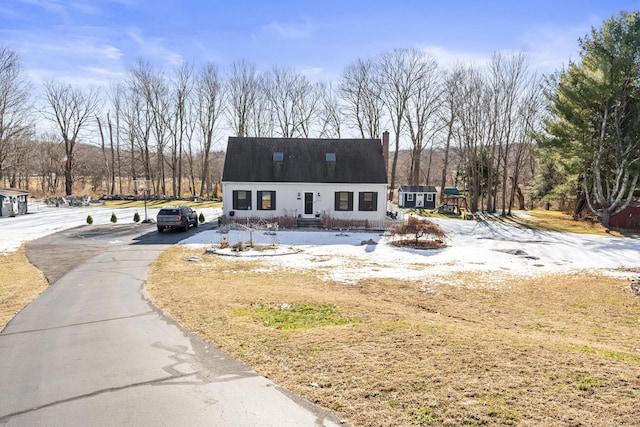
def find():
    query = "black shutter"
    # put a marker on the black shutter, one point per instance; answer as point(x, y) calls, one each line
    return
point(235, 200)
point(336, 206)
point(273, 200)
point(375, 201)
point(350, 200)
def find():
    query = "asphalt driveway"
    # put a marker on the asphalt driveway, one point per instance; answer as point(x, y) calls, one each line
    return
point(93, 350)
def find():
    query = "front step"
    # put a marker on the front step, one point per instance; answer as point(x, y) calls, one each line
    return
point(309, 222)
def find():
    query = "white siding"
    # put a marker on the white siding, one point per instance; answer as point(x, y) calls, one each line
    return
point(290, 200)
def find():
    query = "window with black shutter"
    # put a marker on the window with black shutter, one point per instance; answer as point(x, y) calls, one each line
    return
point(266, 200)
point(242, 200)
point(344, 201)
point(368, 201)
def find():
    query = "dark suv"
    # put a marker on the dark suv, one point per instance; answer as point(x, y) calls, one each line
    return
point(180, 217)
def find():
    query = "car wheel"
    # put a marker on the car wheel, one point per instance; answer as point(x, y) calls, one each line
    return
point(160, 229)
point(195, 224)
point(186, 226)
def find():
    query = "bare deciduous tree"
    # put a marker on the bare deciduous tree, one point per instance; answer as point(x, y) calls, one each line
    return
point(449, 114)
point(243, 86)
point(15, 119)
point(397, 74)
point(363, 101)
point(472, 130)
point(292, 100)
point(211, 97)
point(70, 109)
point(420, 115)
point(330, 112)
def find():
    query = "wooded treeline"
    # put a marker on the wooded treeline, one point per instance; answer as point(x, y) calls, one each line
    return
point(170, 128)
point(473, 127)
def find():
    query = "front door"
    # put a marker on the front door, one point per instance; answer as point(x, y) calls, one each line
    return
point(308, 203)
point(14, 206)
point(419, 200)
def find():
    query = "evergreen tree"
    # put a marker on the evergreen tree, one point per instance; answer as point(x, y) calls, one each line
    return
point(594, 122)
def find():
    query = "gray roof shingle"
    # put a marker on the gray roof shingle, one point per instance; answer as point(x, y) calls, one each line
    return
point(304, 160)
point(417, 189)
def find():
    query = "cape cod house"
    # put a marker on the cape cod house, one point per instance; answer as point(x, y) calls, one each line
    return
point(417, 196)
point(317, 180)
point(13, 201)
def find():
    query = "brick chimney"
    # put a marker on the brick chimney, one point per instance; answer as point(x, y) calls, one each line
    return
point(385, 150)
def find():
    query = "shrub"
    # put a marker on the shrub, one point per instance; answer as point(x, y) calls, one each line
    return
point(418, 228)
point(136, 217)
point(114, 218)
point(201, 218)
point(89, 220)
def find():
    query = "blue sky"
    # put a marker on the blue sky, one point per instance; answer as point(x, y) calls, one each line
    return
point(94, 41)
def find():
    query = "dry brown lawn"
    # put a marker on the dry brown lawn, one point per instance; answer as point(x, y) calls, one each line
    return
point(20, 283)
point(493, 349)
point(561, 350)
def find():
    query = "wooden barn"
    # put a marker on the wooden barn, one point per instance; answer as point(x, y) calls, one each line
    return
point(628, 219)
point(417, 196)
point(13, 202)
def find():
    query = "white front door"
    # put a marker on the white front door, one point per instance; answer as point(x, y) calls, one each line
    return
point(419, 200)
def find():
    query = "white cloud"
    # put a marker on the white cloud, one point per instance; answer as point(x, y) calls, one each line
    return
point(154, 47)
point(289, 30)
point(448, 58)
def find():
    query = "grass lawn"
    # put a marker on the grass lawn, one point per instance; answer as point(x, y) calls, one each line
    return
point(495, 349)
point(20, 283)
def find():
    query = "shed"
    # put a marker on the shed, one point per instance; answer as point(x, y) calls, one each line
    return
point(417, 196)
point(13, 201)
point(628, 218)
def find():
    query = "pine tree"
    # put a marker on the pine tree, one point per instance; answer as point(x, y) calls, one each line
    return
point(595, 115)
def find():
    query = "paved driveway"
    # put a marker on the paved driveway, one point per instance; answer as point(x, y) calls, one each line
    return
point(93, 350)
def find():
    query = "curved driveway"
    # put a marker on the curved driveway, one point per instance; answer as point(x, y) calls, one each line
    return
point(93, 350)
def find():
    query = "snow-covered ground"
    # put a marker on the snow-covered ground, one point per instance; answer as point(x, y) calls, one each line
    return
point(43, 220)
point(473, 246)
point(347, 256)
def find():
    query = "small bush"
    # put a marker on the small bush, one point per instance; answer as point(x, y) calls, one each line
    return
point(89, 220)
point(114, 218)
point(136, 217)
point(419, 229)
point(201, 218)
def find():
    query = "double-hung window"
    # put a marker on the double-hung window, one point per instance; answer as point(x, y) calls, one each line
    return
point(368, 201)
point(344, 201)
point(266, 200)
point(242, 200)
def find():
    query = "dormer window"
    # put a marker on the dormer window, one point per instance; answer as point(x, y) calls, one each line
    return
point(331, 157)
point(278, 156)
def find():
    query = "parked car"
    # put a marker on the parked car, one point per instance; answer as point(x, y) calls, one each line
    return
point(176, 217)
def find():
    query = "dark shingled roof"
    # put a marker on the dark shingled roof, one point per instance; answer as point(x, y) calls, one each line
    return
point(417, 189)
point(358, 161)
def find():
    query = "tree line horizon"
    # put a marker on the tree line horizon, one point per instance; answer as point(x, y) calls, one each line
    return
point(501, 132)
